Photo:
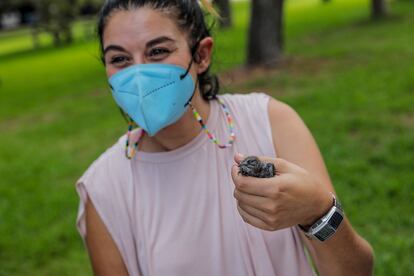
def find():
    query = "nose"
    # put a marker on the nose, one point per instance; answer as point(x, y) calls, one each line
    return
point(139, 58)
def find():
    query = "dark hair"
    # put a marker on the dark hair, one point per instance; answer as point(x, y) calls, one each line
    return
point(189, 18)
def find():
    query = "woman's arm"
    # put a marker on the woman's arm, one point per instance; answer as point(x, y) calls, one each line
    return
point(103, 252)
point(345, 253)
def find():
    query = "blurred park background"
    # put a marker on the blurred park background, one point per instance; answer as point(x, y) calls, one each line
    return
point(346, 66)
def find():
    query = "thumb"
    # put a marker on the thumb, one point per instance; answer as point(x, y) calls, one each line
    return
point(238, 157)
point(281, 165)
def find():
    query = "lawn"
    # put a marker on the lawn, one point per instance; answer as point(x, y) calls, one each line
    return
point(351, 80)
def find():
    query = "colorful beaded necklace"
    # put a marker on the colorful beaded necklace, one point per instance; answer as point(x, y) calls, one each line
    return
point(130, 152)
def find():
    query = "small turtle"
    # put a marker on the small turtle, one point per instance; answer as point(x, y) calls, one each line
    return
point(252, 166)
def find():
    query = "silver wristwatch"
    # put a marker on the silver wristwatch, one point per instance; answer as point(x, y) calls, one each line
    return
point(327, 225)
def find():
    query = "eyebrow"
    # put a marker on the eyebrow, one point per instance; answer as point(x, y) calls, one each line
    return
point(159, 40)
point(149, 44)
point(114, 48)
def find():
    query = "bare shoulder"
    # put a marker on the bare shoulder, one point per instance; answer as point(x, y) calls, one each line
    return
point(103, 252)
point(294, 142)
point(281, 115)
point(287, 126)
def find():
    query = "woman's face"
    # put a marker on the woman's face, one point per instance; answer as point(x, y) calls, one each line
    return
point(145, 35)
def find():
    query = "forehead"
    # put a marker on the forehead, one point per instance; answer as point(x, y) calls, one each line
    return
point(137, 26)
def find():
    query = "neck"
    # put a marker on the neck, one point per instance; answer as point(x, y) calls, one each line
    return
point(179, 133)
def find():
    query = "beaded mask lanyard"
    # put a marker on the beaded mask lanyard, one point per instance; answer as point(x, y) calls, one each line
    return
point(130, 152)
point(210, 135)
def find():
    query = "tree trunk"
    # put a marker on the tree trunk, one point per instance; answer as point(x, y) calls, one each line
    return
point(379, 9)
point(56, 38)
point(266, 32)
point(66, 32)
point(35, 37)
point(225, 12)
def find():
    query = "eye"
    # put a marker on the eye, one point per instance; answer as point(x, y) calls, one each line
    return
point(119, 60)
point(158, 53)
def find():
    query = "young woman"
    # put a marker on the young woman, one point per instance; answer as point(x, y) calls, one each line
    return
point(168, 198)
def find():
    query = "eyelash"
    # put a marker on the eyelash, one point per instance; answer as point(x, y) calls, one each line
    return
point(158, 51)
point(119, 59)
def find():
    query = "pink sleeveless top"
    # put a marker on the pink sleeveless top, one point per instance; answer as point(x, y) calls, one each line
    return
point(173, 213)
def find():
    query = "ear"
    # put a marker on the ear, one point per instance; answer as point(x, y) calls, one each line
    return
point(203, 54)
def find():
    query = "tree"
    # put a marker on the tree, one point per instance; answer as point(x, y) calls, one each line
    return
point(225, 12)
point(6, 5)
point(378, 9)
point(266, 32)
point(53, 16)
point(56, 17)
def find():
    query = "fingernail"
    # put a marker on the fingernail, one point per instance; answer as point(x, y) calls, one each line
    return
point(240, 155)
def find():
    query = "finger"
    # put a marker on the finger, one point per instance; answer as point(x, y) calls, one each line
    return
point(266, 187)
point(281, 165)
point(264, 204)
point(267, 218)
point(238, 157)
point(254, 221)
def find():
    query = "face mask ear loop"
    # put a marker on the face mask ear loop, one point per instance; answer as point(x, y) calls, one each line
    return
point(125, 115)
point(193, 52)
point(189, 101)
point(188, 69)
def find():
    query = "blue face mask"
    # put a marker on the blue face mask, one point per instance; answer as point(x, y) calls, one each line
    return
point(153, 95)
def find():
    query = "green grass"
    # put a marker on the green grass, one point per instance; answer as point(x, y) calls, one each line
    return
point(351, 80)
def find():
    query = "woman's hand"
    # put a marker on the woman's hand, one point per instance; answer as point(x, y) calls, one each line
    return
point(290, 198)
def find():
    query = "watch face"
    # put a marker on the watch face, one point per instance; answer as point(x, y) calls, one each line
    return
point(330, 227)
point(335, 220)
point(325, 233)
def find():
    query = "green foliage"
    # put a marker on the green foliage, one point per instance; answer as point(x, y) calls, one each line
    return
point(349, 79)
point(56, 17)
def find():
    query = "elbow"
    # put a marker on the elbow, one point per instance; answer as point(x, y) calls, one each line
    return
point(370, 259)
point(366, 259)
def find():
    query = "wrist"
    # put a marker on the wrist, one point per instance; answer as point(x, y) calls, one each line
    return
point(323, 205)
